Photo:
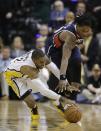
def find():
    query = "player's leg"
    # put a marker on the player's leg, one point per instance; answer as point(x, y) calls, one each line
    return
point(29, 100)
point(4, 87)
point(27, 96)
point(20, 88)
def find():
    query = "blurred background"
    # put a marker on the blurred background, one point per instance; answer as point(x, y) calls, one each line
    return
point(27, 24)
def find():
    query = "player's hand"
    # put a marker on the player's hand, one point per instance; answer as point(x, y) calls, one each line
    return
point(62, 86)
point(74, 87)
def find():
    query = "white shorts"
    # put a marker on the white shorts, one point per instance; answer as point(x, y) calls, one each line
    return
point(27, 84)
point(35, 85)
point(23, 86)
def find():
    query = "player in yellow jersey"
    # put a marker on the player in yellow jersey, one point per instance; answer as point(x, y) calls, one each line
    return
point(22, 74)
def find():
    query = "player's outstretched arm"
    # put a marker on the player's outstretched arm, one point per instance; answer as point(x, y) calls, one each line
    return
point(66, 53)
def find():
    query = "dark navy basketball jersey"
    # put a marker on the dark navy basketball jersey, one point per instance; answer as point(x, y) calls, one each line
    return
point(70, 28)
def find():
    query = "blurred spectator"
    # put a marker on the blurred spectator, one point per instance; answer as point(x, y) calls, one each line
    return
point(90, 54)
point(17, 47)
point(44, 31)
point(4, 61)
point(5, 58)
point(70, 17)
point(42, 37)
point(94, 84)
point(58, 14)
point(40, 43)
point(80, 8)
point(99, 50)
point(95, 8)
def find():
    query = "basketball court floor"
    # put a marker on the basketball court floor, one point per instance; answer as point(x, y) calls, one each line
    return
point(15, 116)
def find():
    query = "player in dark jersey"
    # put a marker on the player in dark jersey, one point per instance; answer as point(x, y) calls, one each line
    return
point(64, 40)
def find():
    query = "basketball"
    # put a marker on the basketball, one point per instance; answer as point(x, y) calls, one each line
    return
point(72, 113)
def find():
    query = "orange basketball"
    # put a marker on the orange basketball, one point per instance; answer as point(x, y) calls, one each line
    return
point(72, 113)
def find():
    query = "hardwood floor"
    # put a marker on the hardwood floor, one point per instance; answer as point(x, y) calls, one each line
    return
point(15, 116)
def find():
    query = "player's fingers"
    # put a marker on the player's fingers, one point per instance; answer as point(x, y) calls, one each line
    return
point(62, 89)
point(75, 89)
point(59, 91)
point(65, 88)
point(57, 88)
point(77, 85)
point(78, 90)
point(70, 89)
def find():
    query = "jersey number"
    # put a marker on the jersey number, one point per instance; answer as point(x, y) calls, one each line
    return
point(24, 57)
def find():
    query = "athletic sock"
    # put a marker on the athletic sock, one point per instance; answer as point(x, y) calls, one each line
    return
point(35, 110)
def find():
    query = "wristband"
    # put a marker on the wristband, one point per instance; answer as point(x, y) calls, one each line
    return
point(62, 77)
